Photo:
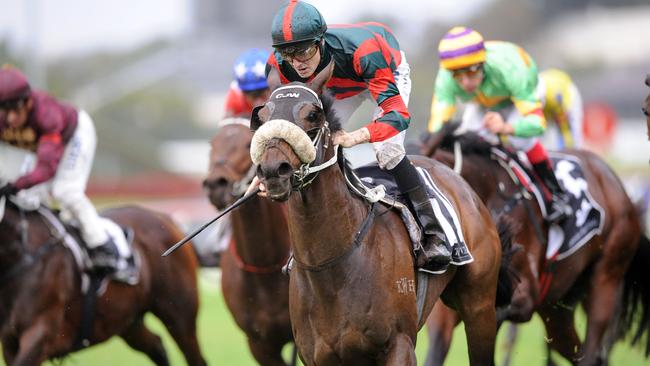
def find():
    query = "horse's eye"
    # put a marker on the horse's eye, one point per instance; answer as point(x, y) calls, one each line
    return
point(312, 116)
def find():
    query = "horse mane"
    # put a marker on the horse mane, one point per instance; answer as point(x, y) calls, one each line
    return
point(470, 142)
point(327, 98)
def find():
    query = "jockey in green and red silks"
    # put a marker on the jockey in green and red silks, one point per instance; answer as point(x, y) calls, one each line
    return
point(368, 65)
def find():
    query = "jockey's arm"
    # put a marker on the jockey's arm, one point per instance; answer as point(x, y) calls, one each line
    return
point(532, 123)
point(443, 104)
point(377, 72)
point(48, 155)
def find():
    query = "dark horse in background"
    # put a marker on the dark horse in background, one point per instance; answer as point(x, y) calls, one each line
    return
point(608, 275)
point(41, 298)
point(254, 287)
point(353, 287)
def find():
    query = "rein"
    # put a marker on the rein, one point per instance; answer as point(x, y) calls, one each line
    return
point(306, 174)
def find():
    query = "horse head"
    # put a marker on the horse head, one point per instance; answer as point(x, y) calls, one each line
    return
point(293, 133)
point(231, 169)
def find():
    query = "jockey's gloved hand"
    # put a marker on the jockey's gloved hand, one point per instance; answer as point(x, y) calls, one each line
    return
point(8, 190)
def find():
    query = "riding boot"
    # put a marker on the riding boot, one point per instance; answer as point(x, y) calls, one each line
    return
point(558, 207)
point(104, 257)
point(436, 251)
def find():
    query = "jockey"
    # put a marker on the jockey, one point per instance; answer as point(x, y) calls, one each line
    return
point(563, 105)
point(369, 65)
point(64, 140)
point(249, 87)
point(498, 81)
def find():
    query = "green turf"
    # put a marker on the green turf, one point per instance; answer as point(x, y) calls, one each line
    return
point(224, 344)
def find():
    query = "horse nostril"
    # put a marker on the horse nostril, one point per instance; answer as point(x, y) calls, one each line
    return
point(215, 183)
point(221, 183)
point(284, 169)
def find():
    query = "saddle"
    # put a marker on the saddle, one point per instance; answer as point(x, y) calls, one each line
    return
point(68, 233)
point(373, 183)
point(571, 234)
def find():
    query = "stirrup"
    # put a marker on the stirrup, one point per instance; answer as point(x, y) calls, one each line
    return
point(435, 252)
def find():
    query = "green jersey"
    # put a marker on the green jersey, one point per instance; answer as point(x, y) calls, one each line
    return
point(510, 77)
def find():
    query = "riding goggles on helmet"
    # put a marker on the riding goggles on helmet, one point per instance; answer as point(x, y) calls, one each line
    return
point(12, 105)
point(469, 71)
point(301, 52)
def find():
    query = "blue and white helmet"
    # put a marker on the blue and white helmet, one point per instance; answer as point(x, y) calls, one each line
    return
point(249, 70)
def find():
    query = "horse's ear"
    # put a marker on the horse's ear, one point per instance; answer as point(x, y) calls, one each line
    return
point(273, 80)
point(318, 84)
point(647, 80)
point(256, 122)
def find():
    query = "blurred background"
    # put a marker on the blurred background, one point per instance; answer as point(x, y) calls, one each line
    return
point(153, 74)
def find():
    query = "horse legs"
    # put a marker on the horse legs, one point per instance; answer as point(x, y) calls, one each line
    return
point(31, 345)
point(266, 353)
point(401, 352)
point(440, 326)
point(142, 339)
point(9, 349)
point(561, 331)
point(181, 324)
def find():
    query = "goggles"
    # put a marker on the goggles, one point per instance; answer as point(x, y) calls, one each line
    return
point(468, 71)
point(299, 52)
point(12, 105)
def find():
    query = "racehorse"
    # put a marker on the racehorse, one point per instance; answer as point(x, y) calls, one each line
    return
point(352, 289)
point(646, 107)
point(254, 288)
point(41, 300)
point(607, 275)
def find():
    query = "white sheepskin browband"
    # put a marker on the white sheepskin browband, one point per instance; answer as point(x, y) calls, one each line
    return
point(289, 132)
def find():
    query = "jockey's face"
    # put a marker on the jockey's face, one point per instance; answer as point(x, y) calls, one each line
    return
point(469, 78)
point(16, 113)
point(304, 61)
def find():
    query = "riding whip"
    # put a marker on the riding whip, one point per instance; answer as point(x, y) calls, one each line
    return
point(189, 237)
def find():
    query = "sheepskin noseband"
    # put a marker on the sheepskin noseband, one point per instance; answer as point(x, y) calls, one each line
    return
point(295, 136)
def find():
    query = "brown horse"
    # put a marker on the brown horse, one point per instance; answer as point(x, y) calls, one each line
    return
point(646, 107)
point(353, 287)
point(595, 274)
point(41, 300)
point(254, 287)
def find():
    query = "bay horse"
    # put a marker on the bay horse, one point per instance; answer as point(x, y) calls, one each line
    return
point(352, 292)
point(607, 275)
point(254, 287)
point(646, 107)
point(41, 300)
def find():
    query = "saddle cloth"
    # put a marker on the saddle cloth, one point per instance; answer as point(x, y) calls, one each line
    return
point(588, 217)
point(372, 176)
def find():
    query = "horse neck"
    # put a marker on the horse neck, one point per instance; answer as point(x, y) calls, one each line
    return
point(324, 217)
point(10, 241)
point(12, 251)
point(260, 232)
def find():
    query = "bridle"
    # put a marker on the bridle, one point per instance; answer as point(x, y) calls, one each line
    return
point(307, 172)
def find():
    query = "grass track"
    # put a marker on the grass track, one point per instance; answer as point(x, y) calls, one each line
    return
point(224, 344)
